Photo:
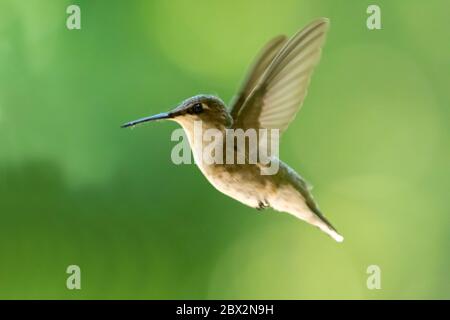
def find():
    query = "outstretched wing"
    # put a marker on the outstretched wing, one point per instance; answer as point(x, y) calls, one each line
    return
point(280, 91)
point(265, 57)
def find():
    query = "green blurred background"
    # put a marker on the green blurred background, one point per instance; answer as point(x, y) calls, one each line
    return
point(372, 138)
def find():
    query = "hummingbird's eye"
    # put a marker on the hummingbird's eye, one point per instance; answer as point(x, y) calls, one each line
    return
point(197, 108)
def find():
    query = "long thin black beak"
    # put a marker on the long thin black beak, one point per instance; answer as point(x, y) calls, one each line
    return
point(159, 116)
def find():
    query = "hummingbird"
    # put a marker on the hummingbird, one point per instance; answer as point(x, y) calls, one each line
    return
point(269, 98)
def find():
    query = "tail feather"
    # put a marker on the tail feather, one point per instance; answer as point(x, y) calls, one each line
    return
point(321, 222)
point(303, 207)
point(326, 227)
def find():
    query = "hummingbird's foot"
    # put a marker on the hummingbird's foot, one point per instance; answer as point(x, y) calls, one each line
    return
point(262, 205)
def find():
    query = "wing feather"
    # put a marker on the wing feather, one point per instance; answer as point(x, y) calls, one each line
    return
point(280, 91)
point(264, 59)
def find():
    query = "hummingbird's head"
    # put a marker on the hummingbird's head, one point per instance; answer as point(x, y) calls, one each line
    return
point(206, 108)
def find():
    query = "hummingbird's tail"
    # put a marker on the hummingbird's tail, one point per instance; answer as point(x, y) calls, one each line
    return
point(323, 224)
point(318, 219)
point(307, 210)
point(295, 197)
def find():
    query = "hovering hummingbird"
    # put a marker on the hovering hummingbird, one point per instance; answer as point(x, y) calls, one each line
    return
point(269, 98)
